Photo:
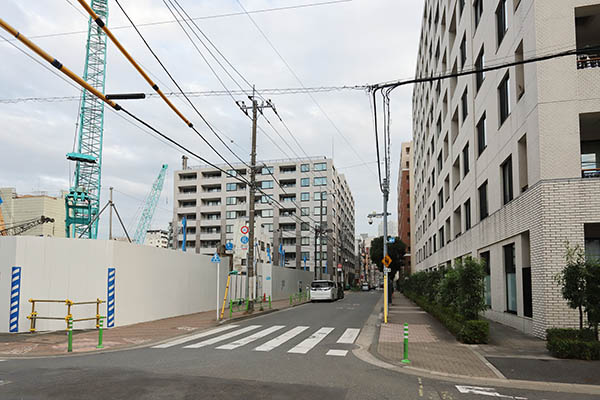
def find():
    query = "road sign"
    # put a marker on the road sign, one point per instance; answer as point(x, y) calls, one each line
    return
point(339, 267)
point(244, 240)
point(228, 246)
point(245, 230)
point(387, 260)
point(387, 270)
point(215, 259)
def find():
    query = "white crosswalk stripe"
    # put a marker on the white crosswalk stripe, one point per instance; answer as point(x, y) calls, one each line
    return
point(306, 345)
point(281, 339)
point(251, 338)
point(349, 336)
point(339, 353)
point(190, 338)
point(222, 337)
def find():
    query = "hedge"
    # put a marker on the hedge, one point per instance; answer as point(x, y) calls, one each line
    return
point(573, 343)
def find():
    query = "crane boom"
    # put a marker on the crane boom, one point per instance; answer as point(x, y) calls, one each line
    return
point(82, 203)
point(150, 207)
point(25, 226)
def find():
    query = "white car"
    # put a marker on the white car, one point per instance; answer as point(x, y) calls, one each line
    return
point(323, 290)
point(365, 287)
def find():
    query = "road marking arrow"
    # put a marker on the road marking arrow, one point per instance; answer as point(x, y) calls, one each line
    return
point(486, 392)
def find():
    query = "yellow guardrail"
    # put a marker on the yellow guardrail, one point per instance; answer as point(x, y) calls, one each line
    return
point(33, 317)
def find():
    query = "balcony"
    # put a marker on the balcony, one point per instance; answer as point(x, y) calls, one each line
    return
point(587, 32)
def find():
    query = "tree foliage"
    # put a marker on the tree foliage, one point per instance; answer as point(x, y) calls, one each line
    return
point(396, 251)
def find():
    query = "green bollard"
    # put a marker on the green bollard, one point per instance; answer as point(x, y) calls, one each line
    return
point(100, 346)
point(405, 360)
point(290, 299)
point(269, 302)
point(70, 334)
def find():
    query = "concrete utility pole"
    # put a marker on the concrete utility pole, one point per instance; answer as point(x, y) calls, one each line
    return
point(321, 236)
point(256, 108)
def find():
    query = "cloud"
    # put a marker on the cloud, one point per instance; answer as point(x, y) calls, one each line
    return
point(359, 42)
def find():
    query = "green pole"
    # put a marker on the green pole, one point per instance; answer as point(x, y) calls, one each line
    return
point(100, 346)
point(405, 360)
point(70, 335)
point(290, 299)
point(247, 303)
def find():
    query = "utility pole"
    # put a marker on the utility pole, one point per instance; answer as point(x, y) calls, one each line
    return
point(110, 236)
point(316, 236)
point(256, 108)
point(321, 237)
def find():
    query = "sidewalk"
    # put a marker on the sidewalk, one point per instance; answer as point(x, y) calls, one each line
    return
point(122, 337)
point(509, 354)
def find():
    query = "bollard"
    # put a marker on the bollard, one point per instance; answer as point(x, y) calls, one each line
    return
point(230, 308)
point(247, 304)
point(100, 346)
point(405, 360)
point(69, 334)
point(290, 299)
point(269, 302)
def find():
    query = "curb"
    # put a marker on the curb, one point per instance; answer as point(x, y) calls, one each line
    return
point(367, 352)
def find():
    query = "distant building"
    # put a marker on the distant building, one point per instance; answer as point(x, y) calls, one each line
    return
point(157, 238)
point(406, 223)
point(392, 228)
point(18, 208)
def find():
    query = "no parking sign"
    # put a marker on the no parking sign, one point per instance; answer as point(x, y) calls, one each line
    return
point(244, 230)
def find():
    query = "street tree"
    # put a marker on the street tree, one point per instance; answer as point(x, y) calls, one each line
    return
point(396, 251)
point(572, 280)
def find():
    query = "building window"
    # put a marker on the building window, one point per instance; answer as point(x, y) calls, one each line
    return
point(487, 279)
point(507, 180)
point(467, 207)
point(304, 226)
point(439, 163)
point(318, 195)
point(228, 228)
point(481, 135)
point(463, 51)
point(231, 201)
point(441, 236)
point(320, 181)
point(319, 212)
point(304, 196)
point(266, 184)
point(305, 255)
point(231, 187)
point(268, 227)
point(464, 104)
point(504, 98)
point(320, 166)
point(304, 182)
point(477, 11)
point(232, 173)
point(441, 199)
point(267, 170)
point(520, 72)
point(305, 241)
point(501, 21)
point(305, 167)
point(483, 201)
point(465, 157)
point(231, 214)
point(479, 65)
point(510, 278)
point(266, 213)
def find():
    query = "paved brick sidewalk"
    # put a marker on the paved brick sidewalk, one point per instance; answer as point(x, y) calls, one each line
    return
point(431, 346)
point(54, 343)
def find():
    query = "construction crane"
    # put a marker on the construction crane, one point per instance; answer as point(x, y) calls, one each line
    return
point(82, 203)
point(25, 226)
point(150, 207)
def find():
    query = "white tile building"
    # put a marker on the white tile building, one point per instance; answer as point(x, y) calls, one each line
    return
point(157, 238)
point(507, 163)
point(18, 208)
point(212, 201)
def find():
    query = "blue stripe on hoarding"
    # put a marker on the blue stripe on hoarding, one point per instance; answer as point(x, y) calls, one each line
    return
point(15, 294)
point(110, 299)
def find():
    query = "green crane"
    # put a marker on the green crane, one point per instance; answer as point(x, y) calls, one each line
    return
point(82, 203)
point(150, 207)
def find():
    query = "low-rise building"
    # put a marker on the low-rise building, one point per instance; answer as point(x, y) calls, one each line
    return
point(157, 238)
point(19, 208)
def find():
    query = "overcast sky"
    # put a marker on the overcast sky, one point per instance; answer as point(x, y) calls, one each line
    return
point(347, 43)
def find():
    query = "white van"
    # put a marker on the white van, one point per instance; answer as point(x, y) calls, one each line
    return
point(323, 290)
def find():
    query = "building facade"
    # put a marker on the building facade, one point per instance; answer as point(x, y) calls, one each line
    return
point(212, 201)
point(405, 196)
point(18, 208)
point(507, 162)
point(157, 238)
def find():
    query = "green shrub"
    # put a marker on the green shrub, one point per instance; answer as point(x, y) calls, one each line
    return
point(574, 348)
point(474, 332)
point(586, 335)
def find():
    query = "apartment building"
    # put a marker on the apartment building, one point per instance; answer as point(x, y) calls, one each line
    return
point(18, 208)
point(212, 201)
point(406, 223)
point(157, 238)
point(507, 162)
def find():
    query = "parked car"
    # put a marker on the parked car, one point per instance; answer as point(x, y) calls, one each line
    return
point(365, 287)
point(323, 290)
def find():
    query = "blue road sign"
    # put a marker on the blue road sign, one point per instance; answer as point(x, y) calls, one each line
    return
point(228, 246)
point(391, 239)
point(215, 259)
point(244, 240)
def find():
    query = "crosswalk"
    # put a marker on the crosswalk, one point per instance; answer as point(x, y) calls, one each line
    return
point(222, 335)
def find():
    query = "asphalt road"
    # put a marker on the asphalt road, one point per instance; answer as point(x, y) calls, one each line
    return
point(257, 363)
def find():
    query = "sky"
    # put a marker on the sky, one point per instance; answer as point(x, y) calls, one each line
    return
point(350, 42)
